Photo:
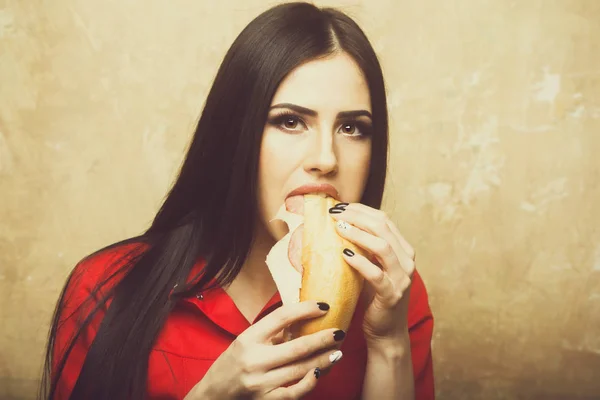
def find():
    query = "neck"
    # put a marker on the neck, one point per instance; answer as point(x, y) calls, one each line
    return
point(255, 272)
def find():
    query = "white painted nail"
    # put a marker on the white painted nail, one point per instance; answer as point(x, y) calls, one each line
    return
point(335, 356)
point(343, 225)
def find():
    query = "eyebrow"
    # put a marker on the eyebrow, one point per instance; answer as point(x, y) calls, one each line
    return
point(313, 113)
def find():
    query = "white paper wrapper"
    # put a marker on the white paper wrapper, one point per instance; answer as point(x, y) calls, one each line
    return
point(286, 277)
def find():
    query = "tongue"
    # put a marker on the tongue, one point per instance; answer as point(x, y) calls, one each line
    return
point(295, 204)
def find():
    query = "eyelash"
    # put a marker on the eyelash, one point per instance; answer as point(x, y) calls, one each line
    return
point(279, 119)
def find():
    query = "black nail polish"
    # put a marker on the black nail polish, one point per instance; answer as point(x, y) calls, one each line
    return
point(348, 252)
point(339, 335)
point(323, 306)
point(317, 372)
point(338, 208)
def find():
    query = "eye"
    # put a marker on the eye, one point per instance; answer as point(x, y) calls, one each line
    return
point(290, 122)
point(348, 129)
point(287, 122)
point(355, 129)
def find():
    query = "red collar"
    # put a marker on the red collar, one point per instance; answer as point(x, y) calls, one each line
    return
point(220, 308)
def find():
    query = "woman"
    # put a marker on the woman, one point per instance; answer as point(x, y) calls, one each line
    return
point(298, 102)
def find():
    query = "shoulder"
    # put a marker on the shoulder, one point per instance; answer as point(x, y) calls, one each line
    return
point(103, 268)
point(82, 306)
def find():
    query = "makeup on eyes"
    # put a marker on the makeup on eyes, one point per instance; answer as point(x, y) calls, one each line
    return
point(278, 119)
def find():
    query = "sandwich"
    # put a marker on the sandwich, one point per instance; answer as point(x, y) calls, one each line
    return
point(307, 264)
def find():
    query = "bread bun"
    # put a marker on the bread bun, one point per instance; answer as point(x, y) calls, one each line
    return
point(326, 276)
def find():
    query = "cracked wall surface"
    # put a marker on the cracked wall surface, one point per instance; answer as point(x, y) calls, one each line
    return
point(494, 172)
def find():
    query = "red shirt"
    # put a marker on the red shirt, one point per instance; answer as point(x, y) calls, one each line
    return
point(200, 328)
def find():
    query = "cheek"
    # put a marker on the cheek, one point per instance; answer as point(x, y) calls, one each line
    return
point(275, 167)
point(272, 168)
point(355, 165)
point(362, 162)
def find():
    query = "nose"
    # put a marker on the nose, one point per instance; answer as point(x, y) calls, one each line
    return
point(321, 158)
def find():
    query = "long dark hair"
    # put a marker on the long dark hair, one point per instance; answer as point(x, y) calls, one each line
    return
point(202, 216)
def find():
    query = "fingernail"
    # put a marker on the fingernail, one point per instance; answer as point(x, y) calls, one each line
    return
point(317, 372)
point(348, 252)
point(323, 306)
point(335, 356)
point(339, 335)
point(338, 208)
point(343, 225)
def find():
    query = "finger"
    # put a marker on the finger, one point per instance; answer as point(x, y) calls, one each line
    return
point(381, 215)
point(279, 337)
point(300, 348)
point(380, 281)
point(278, 377)
point(378, 246)
point(376, 226)
point(298, 390)
point(376, 237)
point(408, 249)
point(282, 317)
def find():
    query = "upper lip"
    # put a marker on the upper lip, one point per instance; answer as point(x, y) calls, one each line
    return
point(315, 188)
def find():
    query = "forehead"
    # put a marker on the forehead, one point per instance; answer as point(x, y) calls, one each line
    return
point(334, 84)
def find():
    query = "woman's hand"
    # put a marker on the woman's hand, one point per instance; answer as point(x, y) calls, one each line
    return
point(388, 272)
point(259, 365)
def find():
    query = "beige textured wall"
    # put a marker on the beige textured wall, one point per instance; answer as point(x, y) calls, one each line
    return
point(495, 109)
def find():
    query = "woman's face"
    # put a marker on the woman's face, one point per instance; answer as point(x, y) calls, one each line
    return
point(318, 132)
